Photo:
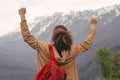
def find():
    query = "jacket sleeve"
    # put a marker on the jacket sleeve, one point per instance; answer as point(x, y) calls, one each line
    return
point(85, 45)
point(28, 38)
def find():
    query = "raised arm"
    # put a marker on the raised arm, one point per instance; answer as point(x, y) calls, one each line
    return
point(85, 45)
point(28, 38)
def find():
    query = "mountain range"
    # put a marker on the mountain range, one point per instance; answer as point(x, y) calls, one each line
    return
point(18, 60)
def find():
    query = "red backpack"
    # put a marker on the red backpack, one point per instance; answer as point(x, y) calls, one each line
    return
point(51, 70)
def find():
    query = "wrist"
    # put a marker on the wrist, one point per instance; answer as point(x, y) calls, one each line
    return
point(93, 27)
point(22, 17)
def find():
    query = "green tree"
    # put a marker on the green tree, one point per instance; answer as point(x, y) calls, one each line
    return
point(109, 64)
point(116, 69)
point(106, 62)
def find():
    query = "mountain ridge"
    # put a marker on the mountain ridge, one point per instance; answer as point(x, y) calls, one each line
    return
point(78, 24)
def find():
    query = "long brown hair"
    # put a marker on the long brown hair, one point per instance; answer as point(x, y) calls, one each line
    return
point(62, 39)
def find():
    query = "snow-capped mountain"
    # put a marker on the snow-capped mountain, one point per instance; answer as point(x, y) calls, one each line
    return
point(67, 18)
point(77, 22)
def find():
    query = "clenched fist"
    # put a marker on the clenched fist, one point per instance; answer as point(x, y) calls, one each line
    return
point(93, 22)
point(22, 11)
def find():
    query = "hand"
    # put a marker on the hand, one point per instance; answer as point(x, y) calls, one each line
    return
point(22, 11)
point(93, 22)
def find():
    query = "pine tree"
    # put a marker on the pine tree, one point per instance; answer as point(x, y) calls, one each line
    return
point(106, 63)
point(116, 65)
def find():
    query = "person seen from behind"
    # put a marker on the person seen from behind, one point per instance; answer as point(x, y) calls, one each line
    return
point(62, 41)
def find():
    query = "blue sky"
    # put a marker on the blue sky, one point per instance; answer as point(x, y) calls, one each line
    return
point(9, 18)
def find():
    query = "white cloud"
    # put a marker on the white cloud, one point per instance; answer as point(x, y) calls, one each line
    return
point(9, 18)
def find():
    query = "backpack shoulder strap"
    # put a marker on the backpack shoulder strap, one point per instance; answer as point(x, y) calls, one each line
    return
point(52, 53)
point(54, 59)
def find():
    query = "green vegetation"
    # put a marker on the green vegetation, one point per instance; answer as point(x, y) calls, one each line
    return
point(109, 64)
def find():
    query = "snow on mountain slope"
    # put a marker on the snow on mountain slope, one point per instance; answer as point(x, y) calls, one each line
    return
point(67, 18)
point(78, 23)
